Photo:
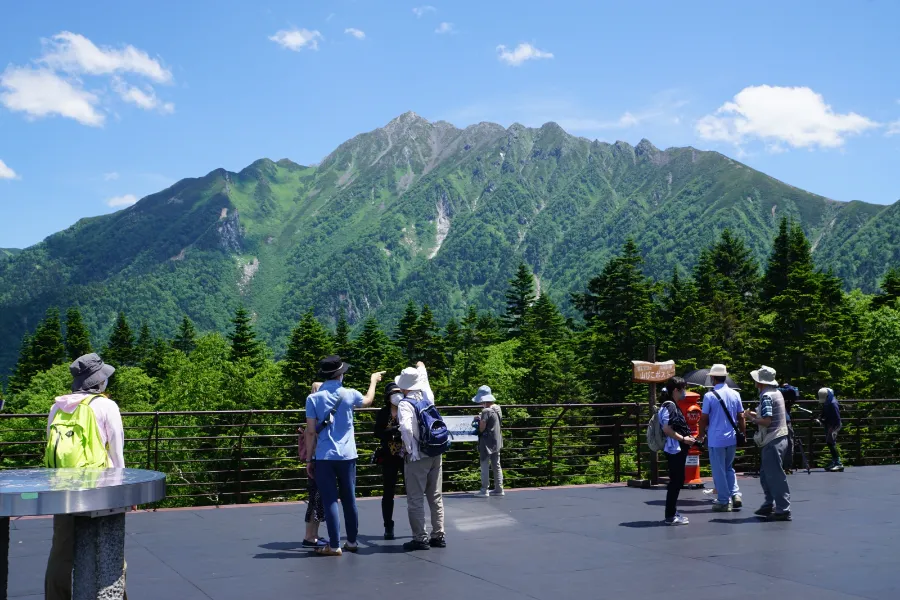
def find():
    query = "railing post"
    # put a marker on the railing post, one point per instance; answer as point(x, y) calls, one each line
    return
point(812, 452)
point(859, 452)
point(238, 479)
point(550, 441)
point(150, 439)
point(637, 437)
point(156, 427)
point(617, 461)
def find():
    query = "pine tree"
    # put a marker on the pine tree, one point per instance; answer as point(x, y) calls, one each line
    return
point(119, 350)
point(683, 325)
point(244, 344)
point(47, 348)
point(373, 351)
point(144, 344)
point(154, 362)
point(25, 368)
point(618, 308)
point(779, 266)
point(519, 297)
point(471, 352)
point(890, 289)
point(78, 339)
point(186, 338)
point(428, 334)
point(545, 353)
point(342, 344)
point(407, 337)
point(309, 343)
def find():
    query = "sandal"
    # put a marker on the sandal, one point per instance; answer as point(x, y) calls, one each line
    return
point(328, 551)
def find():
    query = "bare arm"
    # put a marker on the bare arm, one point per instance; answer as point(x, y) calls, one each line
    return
point(369, 398)
point(310, 439)
point(482, 424)
point(704, 423)
point(742, 423)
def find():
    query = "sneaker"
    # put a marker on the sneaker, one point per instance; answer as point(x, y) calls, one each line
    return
point(498, 493)
point(677, 520)
point(438, 542)
point(737, 501)
point(717, 507)
point(414, 545)
point(835, 468)
point(764, 511)
point(348, 547)
point(782, 516)
point(483, 494)
point(327, 550)
point(318, 543)
point(709, 492)
point(389, 533)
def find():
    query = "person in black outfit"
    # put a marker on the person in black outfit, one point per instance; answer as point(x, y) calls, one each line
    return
point(679, 441)
point(387, 429)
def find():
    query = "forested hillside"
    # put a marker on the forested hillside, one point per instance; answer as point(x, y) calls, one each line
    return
point(424, 212)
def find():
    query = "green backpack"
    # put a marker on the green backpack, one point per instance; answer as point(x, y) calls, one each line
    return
point(75, 441)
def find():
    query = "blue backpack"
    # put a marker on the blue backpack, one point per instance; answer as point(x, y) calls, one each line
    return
point(434, 437)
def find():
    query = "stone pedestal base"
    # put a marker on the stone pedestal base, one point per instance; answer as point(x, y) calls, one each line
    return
point(99, 572)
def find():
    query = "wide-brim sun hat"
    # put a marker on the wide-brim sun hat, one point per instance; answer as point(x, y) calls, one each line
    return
point(410, 380)
point(89, 372)
point(764, 375)
point(484, 395)
point(332, 367)
point(718, 370)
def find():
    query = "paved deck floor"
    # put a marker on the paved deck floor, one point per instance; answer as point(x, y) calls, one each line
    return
point(553, 544)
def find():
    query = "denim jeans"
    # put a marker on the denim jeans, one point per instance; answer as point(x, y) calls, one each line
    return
point(721, 461)
point(330, 473)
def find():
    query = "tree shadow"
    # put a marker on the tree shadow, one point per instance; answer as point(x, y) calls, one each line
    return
point(286, 550)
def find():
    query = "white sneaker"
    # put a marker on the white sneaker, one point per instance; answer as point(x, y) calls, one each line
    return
point(709, 491)
point(483, 494)
point(677, 520)
point(498, 493)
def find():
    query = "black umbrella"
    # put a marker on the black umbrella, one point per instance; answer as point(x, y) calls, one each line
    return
point(701, 378)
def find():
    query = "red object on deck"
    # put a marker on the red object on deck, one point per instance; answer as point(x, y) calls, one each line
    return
point(690, 408)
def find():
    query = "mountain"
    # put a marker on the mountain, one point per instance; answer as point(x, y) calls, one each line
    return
point(417, 210)
point(8, 252)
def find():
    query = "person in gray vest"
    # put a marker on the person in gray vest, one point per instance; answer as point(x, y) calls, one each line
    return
point(771, 418)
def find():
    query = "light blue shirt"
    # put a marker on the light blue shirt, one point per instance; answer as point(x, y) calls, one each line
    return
point(337, 441)
point(720, 433)
point(672, 445)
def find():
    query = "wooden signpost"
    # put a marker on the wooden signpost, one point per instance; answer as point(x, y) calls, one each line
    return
point(652, 372)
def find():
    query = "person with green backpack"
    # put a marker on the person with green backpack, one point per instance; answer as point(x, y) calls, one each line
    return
point(84, 431)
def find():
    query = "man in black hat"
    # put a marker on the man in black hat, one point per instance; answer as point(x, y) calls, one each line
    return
point(330, 438)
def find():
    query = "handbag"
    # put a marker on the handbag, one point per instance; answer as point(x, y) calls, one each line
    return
point(738, 434)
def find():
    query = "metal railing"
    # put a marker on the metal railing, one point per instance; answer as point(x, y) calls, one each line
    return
point(246, 456)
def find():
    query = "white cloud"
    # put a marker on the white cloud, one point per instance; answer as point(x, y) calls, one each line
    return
point(141, 98)
point(893, 128)
point(110, 176)
point(74, 53)
point(126, 200)
point(421, 11)
point(794, 116)
point(41, 92)
point(6, 172)
point(358, 34)
point(297, 39)
point(445, 28)
point(522, 53)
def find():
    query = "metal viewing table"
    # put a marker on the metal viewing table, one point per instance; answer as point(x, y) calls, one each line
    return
point(98, 500)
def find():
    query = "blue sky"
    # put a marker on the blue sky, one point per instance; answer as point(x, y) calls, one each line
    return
point(102, 103)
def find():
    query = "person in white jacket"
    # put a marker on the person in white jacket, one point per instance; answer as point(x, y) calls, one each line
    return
point(90, 377)
point(423, 475)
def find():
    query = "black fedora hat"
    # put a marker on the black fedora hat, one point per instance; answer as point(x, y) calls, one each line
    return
point(332, 367)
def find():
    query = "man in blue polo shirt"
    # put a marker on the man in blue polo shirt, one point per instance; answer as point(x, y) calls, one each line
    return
point(721, 439)
point(330, 438)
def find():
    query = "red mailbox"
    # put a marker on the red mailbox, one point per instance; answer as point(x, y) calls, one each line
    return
point(691, 410)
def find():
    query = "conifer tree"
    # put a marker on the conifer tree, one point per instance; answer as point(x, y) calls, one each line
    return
point(373, 351)
point(428, 334)
point(119, 350)
point(308, 344)
point(47, 348)
point(684, 325)
point(78, 339)
point(144, 344)
point(519, 297)
point(407, 337)
point(154, 361)
point(618, 308)
point(545, 353)
point(471, 351)
point(25, 368)
point(244, 344)
point(186, 338)
point(890, 289)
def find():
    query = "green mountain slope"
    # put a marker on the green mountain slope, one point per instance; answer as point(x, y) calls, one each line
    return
point(414, 210)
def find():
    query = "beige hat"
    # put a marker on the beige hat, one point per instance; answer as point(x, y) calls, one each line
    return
point(718, 371)
point(410, 380)
point(764, 375)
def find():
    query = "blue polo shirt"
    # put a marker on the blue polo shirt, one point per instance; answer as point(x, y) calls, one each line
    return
point(337, 441)
point(720, 433)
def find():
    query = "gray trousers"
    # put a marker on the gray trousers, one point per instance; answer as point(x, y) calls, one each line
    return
point(488, 462)
point(772, 476)
point(424, 480)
